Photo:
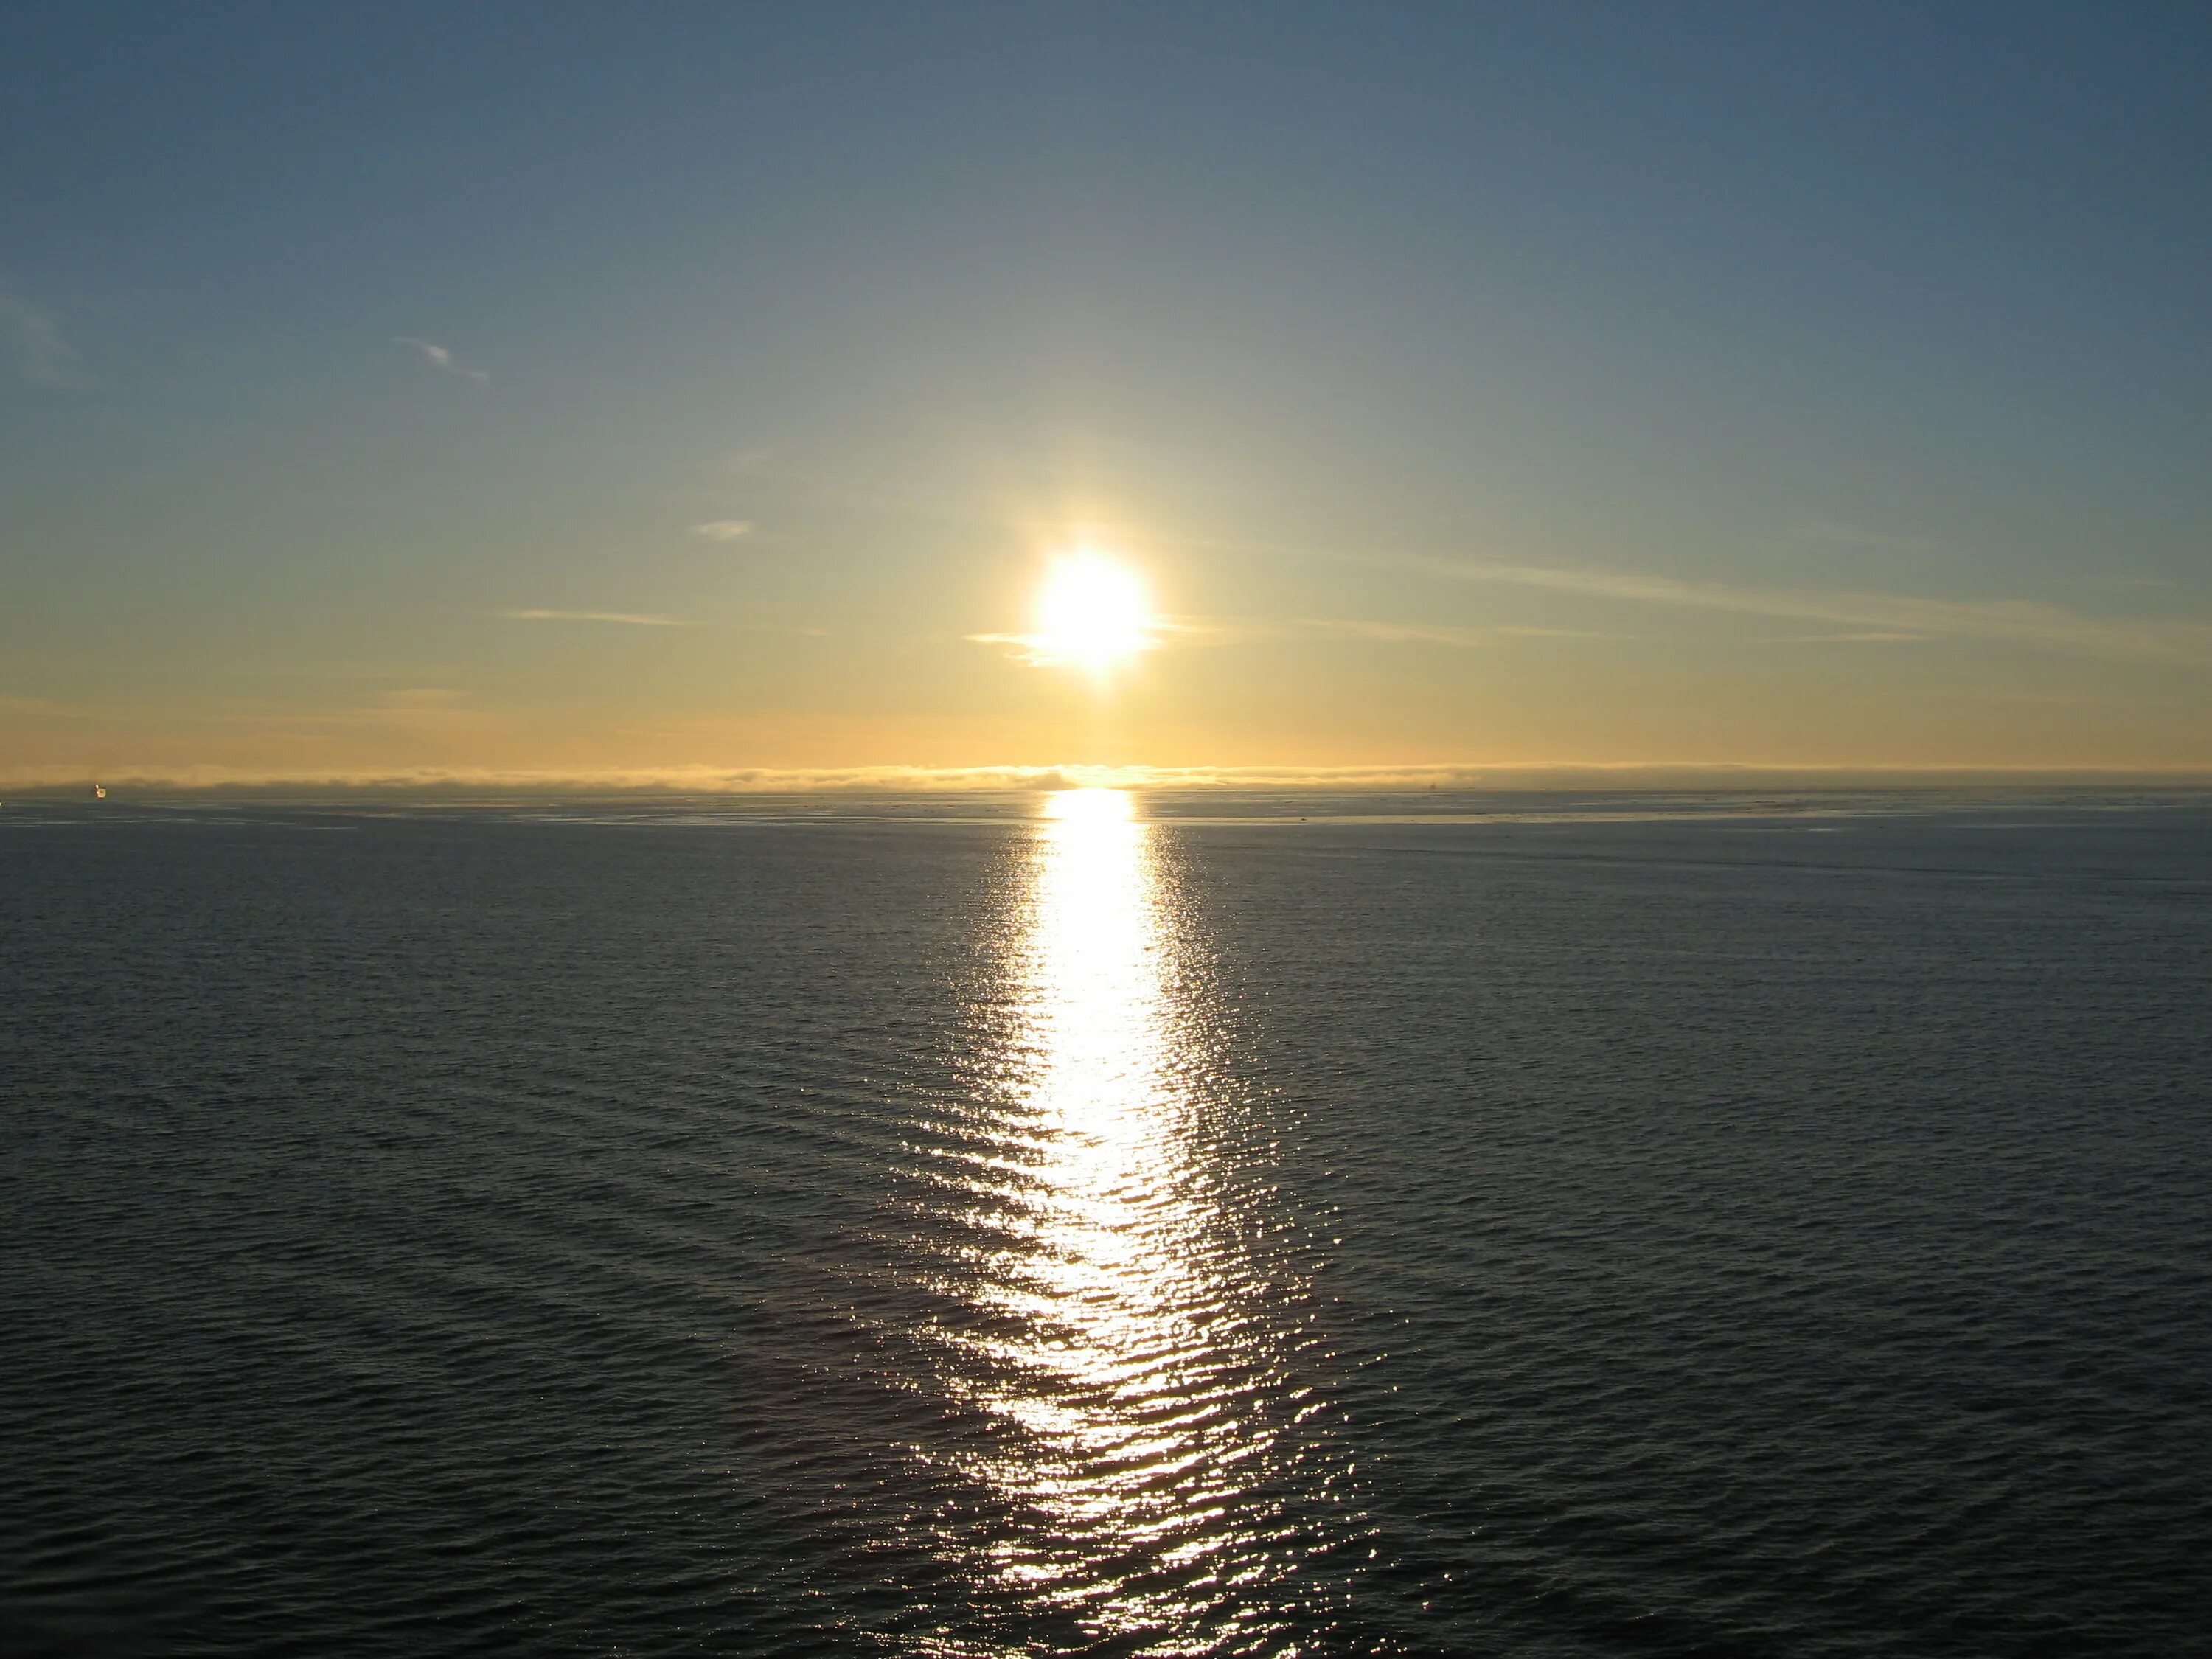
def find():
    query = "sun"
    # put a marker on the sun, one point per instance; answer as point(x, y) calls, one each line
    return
point(1092, 613)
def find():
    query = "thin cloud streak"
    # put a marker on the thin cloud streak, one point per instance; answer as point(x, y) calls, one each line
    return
point(723, 530)
point(1387, 633)
point(1247, 630)
point(34, 339)
point(630, 618)
point(44, 705)
point(1036, 651)
point(2017, 620)
point(439, 356)
point(1041, 651)
point(1856, 538)
point(1851, 639)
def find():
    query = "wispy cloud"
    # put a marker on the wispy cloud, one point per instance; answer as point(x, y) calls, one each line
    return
point(1871, 638)
point(428, 707)
point(1038, 651)
point(634, 619)
point(34, 339)
point(2017, 620)
point(1044, 650)
point(2114, 578)
point(441, 357)
point(1857, 538)
point(723, 530)
point(1238, 630)
point(46, 706)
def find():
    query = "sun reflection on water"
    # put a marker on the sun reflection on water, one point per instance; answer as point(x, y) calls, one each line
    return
point(1122, 1335)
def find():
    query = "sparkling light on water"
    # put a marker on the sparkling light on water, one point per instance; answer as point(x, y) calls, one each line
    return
point(1128, 1347)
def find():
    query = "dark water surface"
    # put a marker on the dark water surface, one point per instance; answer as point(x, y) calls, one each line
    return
point(1691, 1227)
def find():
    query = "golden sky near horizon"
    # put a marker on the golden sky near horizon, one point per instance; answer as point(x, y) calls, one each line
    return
point(1094, 672)
point(1512, 401)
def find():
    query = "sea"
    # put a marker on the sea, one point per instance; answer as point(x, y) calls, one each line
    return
point(1099, 1223)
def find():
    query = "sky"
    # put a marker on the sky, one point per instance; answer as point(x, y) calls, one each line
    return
point(703, 393)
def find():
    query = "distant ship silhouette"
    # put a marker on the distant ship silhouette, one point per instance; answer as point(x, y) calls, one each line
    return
point(100, 792)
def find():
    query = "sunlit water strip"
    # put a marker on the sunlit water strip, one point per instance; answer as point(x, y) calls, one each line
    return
point(1167, 1483)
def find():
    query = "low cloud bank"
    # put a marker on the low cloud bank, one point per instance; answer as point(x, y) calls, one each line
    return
point(896, 780)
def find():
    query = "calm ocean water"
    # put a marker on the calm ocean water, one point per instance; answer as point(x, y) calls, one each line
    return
point(1529, 1227)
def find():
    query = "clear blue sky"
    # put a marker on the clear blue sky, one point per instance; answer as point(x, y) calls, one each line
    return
point(1564, 382)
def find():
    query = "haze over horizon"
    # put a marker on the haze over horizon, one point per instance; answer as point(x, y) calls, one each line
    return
point(702, 396)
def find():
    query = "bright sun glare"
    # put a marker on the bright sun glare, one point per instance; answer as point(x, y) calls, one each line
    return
point(1093, 612)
